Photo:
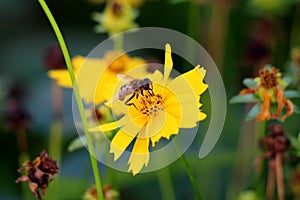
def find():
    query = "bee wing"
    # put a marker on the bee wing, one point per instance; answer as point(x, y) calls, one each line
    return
point(112, 100)
point(125, 78)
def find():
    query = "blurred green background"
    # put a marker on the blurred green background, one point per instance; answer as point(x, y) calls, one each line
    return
point(240, 36)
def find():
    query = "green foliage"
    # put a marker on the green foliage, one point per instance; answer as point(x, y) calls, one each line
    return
point(253, 112)
point(246, 98)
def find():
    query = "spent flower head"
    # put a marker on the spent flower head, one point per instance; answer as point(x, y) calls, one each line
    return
point(153, 113)
point(54, 59)
point(40, 173)
point(108, 193)
point(269, 91)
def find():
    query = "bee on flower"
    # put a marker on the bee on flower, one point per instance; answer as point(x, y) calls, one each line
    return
point(269, 91)
point(158, 113)
point(88, 69)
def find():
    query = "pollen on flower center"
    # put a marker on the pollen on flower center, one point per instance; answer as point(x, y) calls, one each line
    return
point(268, 77)
point(150, 104)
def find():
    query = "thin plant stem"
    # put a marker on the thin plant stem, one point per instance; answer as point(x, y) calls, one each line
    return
point(118, 39)
point(192, 31)
point(217, 30)
point(294, 38)
point(165, 184)
point(56, 126)
point(260, 180)
point(190, 173)
point(55, 139)
point(192, 178)
point(270, 182)
point(77, 96)
point(23, 157)
point(279, 176)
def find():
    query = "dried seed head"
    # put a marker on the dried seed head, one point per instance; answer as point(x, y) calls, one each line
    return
point(268, 77)
point(108, 193)
point(54, 58)
point(40, 173)
point(276, 141)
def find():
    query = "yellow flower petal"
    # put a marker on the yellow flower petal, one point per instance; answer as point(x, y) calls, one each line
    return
point(168, 62)
point(202, 116)
point(62, 77)
point(111, 126)
point(119, 143)
point(77, 62)
point(195, 79)
point(169, 128)
point(156, 124)
point(184, 107)
point(135, 125)
point(139, 155)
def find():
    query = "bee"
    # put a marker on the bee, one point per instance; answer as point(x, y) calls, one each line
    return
point(133, 86)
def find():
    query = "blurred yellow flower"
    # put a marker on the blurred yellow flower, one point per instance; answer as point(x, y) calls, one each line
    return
point(117, 17)
point(62, 76)
point(92, 73)
point(172, 104)
point(133, 3)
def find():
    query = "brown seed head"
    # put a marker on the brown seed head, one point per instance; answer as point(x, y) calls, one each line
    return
point(39, 173)
point(268, 77)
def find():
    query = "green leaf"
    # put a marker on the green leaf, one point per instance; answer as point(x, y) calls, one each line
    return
point(253, 112)
point(177, 1)
point(294, 141)
point(77, 143)
point(296, 109)
point(246, 98)
point(289, 94)
point(287, 80)
point(249, 82)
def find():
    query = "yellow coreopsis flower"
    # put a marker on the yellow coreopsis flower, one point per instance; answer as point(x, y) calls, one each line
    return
point(87, 71)
point(133, 3)
point(117, 17)
point(172, 104)
point(62, 76)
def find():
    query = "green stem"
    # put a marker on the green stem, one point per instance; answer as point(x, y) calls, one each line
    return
point(165, 184)
point(260, 180)
point(77, 96)
point(190, 173)
point(192, 31)
point(192, 178)
point(295, 32)
point(26, 194)
point(118, 39)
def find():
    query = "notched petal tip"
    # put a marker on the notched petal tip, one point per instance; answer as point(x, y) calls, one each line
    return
point(202, 116)
point(137, 161)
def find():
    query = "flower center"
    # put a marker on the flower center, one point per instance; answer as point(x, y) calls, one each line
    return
point(117, 64)
point(150, 104)
point(268, 77)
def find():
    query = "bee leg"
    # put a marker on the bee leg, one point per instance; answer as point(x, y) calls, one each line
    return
point(151, 92)
point(129, 99)
point(131, 104)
